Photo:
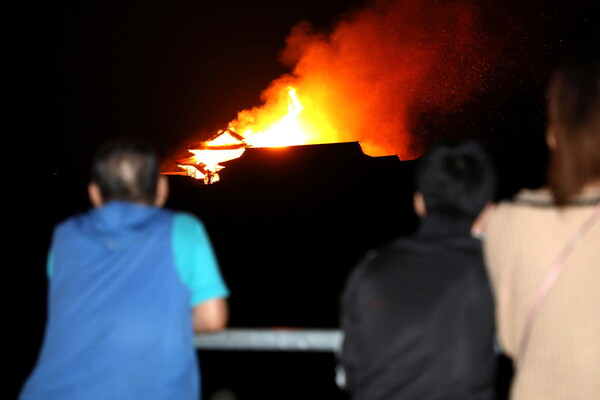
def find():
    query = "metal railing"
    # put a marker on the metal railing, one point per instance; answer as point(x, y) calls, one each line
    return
point(271, 339)
point(280, 339)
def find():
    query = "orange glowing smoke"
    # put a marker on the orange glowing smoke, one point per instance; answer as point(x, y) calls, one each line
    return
point(366, 79)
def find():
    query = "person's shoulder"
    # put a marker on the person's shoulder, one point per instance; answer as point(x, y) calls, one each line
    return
point(511, 215)
point(527, 198)
point(386, 255)
point(542, 198)
point(533, 198)
point(188, 224)
point(73, 220)
point(523, 201)
point(186, 218)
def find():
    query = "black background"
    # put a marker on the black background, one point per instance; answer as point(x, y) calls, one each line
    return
point(287, 224)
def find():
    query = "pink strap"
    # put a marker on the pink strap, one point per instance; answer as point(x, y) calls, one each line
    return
point(551, 277)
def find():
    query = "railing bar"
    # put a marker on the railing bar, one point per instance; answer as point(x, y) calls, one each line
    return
point(271, 339)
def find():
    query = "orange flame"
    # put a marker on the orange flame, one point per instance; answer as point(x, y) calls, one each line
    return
point(207, 157)
point(364, 82)
point(287, 122)
point(286, 129)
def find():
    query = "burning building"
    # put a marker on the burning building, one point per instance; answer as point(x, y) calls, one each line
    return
point(364, 81)
point(285, 126)
point(208, 155)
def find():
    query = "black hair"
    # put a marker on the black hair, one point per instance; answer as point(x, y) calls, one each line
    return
point(456, 178)
point(126, 170)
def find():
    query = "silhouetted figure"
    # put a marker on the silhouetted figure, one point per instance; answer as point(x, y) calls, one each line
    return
point(129, 284)
point(417, 314)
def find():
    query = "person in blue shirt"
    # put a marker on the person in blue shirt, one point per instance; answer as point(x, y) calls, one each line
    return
point(129, 284)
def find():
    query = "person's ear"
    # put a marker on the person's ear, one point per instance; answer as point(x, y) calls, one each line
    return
point(419, 204)
point(95, 195)
point(162, 191)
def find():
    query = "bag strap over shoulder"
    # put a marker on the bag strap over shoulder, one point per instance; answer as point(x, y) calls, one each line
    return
point(551, 277)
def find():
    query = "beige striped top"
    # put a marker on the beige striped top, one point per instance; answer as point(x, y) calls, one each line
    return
point(522, 240)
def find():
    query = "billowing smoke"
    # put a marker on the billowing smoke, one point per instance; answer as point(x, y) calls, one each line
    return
point(368, 77)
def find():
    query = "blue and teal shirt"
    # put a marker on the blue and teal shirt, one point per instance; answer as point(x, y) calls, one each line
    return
point(123, 278)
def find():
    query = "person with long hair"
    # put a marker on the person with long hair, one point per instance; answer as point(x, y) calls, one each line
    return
point(543, 250)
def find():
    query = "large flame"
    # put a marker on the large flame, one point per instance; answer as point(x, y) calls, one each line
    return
point(363, 82)
point(286, 126)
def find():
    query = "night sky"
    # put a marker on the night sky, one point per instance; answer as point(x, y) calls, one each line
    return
point(79, 73)
point(86, 71)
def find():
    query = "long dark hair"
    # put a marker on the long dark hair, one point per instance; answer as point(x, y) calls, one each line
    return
point(574, 124)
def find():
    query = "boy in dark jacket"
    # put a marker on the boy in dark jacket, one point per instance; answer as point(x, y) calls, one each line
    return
point(417, 314)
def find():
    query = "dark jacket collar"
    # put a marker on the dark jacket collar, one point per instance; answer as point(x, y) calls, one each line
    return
point(440, 225)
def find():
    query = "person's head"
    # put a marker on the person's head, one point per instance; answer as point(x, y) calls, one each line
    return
point(574, 125)
point(454, 179)
point(127, 170)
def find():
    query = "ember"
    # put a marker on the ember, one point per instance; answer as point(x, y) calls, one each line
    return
point(365, 82)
